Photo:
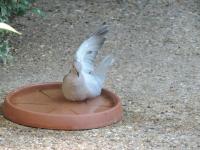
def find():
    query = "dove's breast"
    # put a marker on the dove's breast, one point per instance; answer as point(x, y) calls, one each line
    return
point(74, 89)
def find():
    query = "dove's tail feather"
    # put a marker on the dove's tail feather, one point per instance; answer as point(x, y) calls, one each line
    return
point(103, 67)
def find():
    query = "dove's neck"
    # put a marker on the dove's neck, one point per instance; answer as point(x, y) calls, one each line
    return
point(75, 72)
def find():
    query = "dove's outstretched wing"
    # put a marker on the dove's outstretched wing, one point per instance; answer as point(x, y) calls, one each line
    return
point(103, 68)
point(87, 51)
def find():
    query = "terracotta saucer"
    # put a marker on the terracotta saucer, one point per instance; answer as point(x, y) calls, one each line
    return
point(43, 106)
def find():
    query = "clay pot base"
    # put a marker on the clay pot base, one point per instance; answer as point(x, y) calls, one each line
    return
point(44, 106)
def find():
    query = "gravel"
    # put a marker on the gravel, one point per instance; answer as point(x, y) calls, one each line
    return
point(156, 44)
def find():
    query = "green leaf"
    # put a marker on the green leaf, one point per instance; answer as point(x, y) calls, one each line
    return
point(3, 11)
point(38, 11)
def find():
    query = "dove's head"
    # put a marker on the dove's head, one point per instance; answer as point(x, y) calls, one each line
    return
point(74, 71)
point(76, 68)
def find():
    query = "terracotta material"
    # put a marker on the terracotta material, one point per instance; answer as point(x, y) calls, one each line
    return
point(44, 106)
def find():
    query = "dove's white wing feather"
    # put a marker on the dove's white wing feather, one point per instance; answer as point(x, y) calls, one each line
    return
point(87, 51)
point(102, 69)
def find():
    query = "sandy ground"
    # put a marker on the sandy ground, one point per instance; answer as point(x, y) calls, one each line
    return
point(156, 44)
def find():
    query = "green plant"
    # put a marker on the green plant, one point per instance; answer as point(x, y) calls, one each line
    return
point(9, 9)
point(5, 54)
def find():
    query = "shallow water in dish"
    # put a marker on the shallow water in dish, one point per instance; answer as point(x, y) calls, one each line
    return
point(51, 100)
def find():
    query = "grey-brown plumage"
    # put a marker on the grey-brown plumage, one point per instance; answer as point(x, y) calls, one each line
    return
point(84, 81)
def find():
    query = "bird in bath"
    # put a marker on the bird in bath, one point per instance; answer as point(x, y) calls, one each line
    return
point(84, 80)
